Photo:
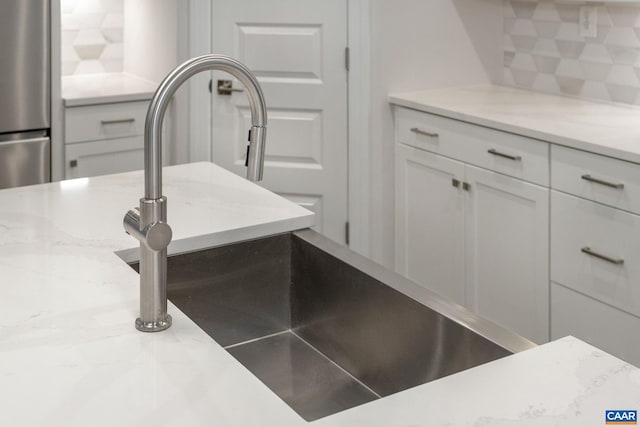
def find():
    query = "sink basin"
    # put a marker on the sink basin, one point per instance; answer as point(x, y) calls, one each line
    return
point(324, 328)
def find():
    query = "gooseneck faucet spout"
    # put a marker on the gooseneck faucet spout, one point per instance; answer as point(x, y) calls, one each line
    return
point(148, 224)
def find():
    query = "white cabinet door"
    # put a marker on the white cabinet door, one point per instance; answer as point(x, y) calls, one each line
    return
point(430, 221)
point(507, 249)
point(104, 157)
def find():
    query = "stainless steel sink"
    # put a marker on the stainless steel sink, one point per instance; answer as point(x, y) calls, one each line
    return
point(324, 328)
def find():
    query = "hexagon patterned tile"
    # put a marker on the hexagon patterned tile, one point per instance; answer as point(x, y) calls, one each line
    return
point(544, 50)
point(92, 36)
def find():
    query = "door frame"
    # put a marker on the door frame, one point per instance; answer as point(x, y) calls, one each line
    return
point(196, 28)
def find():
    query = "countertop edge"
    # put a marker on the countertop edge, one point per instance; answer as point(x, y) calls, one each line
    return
point(226, 237)
point(107, 99)
point(105, 88)
point(403, 101)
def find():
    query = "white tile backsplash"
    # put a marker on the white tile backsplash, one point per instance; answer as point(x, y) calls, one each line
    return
point(544, 51)
point(92, 36)
point(546, 64)
point(523, 9)
point(546, 12)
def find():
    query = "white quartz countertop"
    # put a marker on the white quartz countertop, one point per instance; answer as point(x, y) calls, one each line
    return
point(102, 88)
point(603, 128)
point(70, 355)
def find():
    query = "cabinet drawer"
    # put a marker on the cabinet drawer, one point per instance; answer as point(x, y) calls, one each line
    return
point(502, 152)
point(602, 179)
point(595, 250)
point(97, 122)
point(104, 157)
point(599, 324)
point(419, 130)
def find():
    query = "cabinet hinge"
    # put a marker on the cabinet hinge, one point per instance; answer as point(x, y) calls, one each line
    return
point(347, 58)
point(346, 233)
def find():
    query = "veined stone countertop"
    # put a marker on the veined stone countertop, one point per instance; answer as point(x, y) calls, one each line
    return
point(91, 89)
point(599, 127)
point(70, 355)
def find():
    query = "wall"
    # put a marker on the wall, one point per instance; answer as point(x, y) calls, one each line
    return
point(150, 31)
point(418, 44)
point(134, 36)
point(544, 51)
point(92, 36)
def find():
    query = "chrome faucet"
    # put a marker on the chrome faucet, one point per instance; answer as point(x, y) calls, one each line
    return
point(148, 224)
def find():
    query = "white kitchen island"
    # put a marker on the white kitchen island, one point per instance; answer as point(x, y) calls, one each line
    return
point(70, 355)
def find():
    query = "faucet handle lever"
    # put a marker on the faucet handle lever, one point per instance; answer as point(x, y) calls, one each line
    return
point(156, 236)
point(131, 223)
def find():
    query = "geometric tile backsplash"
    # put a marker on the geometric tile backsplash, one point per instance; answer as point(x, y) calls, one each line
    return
point(92, 36)
point(543, 48)
point(544, 51)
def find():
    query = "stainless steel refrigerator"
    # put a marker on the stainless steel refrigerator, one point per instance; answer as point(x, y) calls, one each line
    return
point(25, 92)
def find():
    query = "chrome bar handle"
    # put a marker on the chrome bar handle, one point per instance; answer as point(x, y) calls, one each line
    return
point(424, 132)
point(117, 121)
point(506, 156)
point(587, 250)
point(589, 178)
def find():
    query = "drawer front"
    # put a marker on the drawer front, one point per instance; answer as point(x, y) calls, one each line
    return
point(599, 324)
point(420, 130)
point(97, 122)
point(595, 250)
point(104, 157)
point(602, 179)
point(502, 152)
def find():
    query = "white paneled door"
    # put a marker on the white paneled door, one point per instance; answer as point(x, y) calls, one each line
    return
point(296, 48)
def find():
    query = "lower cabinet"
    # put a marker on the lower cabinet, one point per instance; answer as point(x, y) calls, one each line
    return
point(536, 237)
point(599, 324)
point(595, 274)
point(507, 252)
point(475, 236)
point(104, 138)
point(104, 157)
point(430, 221)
